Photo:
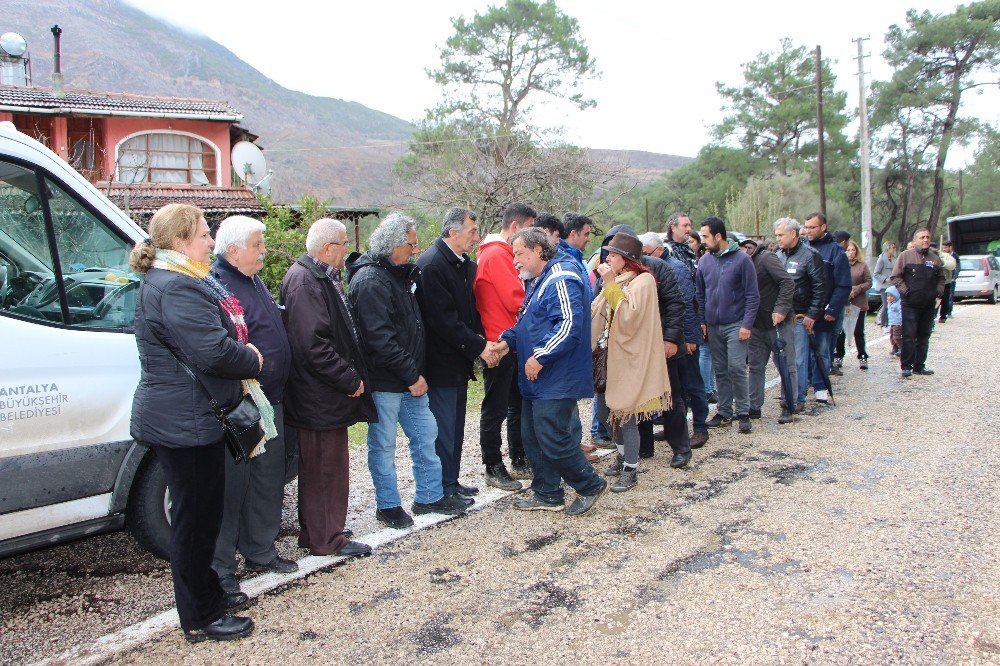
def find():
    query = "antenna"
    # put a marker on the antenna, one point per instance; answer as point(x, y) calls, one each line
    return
point(250, 165)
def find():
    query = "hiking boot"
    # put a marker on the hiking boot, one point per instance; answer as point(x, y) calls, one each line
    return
point(520, 469)
point(863, 363)
point(718, 421)
point(394, 517)
point(584, 503)
point(823, 396)
point(497, 476)
point(535, 503)
point(615, 468)
point(449, 506)
point(786, 416)
point(745, 427)
point(755, 413)
point(698, 439)
point(627, 480)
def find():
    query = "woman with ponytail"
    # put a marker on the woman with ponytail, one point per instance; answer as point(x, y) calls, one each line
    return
point(184, 314)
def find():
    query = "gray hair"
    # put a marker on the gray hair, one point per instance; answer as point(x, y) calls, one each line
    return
point(788, 223)
point(651, 239)
point(390, 234)
point(235, 231)
point(533, 237)
point(322, 231)
point(455, 219)
point(675, 219)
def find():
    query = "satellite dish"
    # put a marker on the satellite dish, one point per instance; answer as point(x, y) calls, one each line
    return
point(249, 163)
point(13, 44)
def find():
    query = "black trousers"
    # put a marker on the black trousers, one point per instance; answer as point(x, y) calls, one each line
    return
point(675, 425)
point(918, 322)
point(502, 400)
point(196, 479)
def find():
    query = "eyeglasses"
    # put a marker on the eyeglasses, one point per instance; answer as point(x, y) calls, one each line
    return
point(415, 246)
point(333, 243)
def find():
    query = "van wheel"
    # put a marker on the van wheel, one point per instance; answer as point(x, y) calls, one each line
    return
point(148, 517)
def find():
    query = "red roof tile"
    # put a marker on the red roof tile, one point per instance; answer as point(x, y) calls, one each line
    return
point(150, 198)
point(42, 100)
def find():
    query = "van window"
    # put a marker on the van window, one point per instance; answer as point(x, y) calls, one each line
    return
point(25, 256)
point(100, 286)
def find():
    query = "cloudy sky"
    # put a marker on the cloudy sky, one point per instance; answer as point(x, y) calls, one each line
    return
point(659, 61)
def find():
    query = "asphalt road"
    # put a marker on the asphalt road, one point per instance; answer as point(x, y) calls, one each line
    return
point(864, 532)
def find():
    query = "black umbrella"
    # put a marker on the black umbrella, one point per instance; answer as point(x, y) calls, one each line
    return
point(781, 361)
point(814, 345)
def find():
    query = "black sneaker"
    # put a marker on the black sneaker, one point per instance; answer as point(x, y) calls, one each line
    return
point(755, 413)
point(462, 499)
point(520, 469)
point(718, 421)
point(276, 564)
point(745, 426)
point(468, 491)
point(535, 503)
point(786, 416)
point(449, 506)
point(923, 371)
point(863, 363)
point(680, 460)
point(497, 476)
point(394, 517)
point(584, 503)
point(907, 372)
point(713, 398)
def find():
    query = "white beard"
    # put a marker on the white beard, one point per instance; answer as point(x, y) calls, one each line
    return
point(525, 275)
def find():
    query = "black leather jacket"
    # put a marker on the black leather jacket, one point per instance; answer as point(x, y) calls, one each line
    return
point(806, 267)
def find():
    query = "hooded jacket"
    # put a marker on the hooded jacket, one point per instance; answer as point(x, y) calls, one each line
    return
point(384, 305)
point(895, 314)
point(805, 266)
point(727, 288)
point(919, 277)
point(838, 278)
point(448, 306)
point(775, 285)
point(554, 327)
point(498, 288)
point(328, 363)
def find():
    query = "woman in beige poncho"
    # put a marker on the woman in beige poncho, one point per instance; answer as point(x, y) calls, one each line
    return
point(626, 321)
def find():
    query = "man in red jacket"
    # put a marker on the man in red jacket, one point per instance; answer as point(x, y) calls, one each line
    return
point(499, 294)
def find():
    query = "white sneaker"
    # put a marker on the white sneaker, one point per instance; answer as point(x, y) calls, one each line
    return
point(885, 329)
point(822, 395)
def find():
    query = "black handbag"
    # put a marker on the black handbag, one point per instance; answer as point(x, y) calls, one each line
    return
point(600, 359)
point(241, 427)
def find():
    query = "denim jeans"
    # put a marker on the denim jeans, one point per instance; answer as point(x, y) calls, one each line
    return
point(729, 358)
point(414, 414)
point(705, 364)
point(597, 427)
point(552, 432)
point(693, 387)
point(824, 344)
point(447, 404)
point(803, 361)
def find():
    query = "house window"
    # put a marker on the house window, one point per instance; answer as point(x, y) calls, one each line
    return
point(166, 158)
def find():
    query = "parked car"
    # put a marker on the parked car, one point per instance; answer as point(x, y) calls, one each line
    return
point(978, 277)
point(874, 300)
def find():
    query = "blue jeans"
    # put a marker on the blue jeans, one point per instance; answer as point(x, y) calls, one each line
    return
point(729, 358)
point(705, 364)
point(693, 386)
point(447, 404)
point(824, 340)
point(803, 361)
point(551, 431)
point(598, 428)
point(418, 423)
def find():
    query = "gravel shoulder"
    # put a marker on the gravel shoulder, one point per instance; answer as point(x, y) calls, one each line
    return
point(864, 532)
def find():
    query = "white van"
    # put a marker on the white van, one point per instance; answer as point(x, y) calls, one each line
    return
point(68, 360)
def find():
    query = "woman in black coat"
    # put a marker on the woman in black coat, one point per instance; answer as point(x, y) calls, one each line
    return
point(181, 312)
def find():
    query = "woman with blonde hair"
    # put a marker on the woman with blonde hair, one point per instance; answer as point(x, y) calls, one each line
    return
point(187, 322)
point(857, 306)
point(626, 323)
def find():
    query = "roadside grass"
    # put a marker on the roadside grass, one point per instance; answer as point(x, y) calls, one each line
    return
point(357, 434)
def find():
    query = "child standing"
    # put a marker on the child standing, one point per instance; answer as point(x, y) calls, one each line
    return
point(895, 319)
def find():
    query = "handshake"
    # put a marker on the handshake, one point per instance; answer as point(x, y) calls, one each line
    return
point(493, 353)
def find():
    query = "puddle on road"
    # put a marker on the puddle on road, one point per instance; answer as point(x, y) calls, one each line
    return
point(435, 635)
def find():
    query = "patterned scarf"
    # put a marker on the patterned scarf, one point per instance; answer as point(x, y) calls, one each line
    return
point(178, 262)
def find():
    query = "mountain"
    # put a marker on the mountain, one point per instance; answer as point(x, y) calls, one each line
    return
point(317, 145)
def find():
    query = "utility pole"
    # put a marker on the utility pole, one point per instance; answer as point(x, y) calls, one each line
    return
point(866, 174)
point(819, 131)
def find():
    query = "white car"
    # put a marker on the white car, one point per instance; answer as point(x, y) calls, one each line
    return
point(68, 360)
point(978, 277)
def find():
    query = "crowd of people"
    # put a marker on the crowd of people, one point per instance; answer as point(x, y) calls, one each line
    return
point(646, 328)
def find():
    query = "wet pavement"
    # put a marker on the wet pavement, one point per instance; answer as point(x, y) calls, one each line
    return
point(864, 532)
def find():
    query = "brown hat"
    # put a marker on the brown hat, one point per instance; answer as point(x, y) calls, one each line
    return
point(626, 245)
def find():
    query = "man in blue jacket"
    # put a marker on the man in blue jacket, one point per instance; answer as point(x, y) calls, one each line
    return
point(552, 341)
point(838, 273)
point(728, 297)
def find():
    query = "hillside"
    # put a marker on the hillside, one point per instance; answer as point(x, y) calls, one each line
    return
point(318, 145)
